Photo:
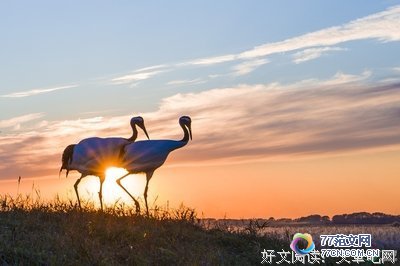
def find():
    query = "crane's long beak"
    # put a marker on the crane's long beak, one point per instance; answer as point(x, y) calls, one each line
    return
point(141, 125)
point(190, 131)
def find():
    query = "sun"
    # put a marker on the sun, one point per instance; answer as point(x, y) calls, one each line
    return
point(114, 173)
point(113, 193)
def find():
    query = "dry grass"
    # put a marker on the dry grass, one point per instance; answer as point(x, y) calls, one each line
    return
point(58, 233)
point(34, 232)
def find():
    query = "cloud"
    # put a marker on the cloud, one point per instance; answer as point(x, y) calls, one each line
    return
point(212, 60)
point(135, 77)
point(313, 53)
point(186, 82)
point(150, 68)
point(16, 121)
point(140, 74)
point(268, 122)
point(248, 66)
point(36, 91)
point(382, 26)
point(239, 124)
point(37, 152)
point(339, 78)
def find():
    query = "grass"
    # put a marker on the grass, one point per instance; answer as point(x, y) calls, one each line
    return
point(58, 233)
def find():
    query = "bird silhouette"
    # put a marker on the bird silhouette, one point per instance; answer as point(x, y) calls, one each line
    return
point(92, 156)
point(148, 155)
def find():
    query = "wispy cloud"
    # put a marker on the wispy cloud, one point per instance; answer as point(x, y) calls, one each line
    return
point(36, 91)
point(248, 66)
point(151, 68)
point(135, 77)
point(267, 122)
point(313, 53)
point(339, 78)
point(140, 74)
point(186, 82)
point(382, 26)
point(212, 60)
point(244, 123)
point(16, 121)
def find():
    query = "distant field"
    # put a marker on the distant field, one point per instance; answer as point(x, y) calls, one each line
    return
point(383, 236)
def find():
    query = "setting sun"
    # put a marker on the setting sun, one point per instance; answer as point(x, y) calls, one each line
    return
point(112, 193)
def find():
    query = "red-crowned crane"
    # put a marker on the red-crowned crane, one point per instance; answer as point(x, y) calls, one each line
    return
point(92, 156)
point(148, 155)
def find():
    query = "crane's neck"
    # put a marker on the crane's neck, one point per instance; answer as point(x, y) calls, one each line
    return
point(134, 133)
point(185, 134)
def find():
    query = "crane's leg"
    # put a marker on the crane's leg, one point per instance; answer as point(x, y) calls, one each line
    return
point(119, 184)
point(100, 192)
point(76, 189)
point(148, 177)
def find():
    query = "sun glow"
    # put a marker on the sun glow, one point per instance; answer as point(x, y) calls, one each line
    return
point(113, 193)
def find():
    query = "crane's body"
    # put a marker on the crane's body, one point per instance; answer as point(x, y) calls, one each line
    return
point(148, 155)
point(95, 155)
point(92, 156)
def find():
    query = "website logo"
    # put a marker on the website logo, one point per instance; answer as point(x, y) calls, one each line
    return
point(310, 244)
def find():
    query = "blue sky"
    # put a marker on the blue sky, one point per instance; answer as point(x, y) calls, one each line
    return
point(47, 45)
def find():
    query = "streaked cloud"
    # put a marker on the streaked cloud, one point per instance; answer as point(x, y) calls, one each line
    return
point(248, 66)
point(313, 53)
point(382, 26)
point(144, 69)
point(136, 76)
point(244, 123)
point(186, 82)
point(36, 91)
point(140, 74)
point(211, 60)
point(274, 122)
point(339, 78)
point(15, 122)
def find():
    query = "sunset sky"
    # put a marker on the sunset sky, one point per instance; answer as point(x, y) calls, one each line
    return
point(295, 105)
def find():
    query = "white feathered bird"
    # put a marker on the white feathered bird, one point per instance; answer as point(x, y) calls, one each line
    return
point(92, 156)
point(148, 155)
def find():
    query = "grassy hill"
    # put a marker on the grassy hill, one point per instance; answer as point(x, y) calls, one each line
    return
point(58, 233)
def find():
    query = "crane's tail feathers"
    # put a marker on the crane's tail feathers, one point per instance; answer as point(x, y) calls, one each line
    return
point(66, 158)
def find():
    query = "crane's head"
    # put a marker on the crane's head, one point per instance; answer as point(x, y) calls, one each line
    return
point(139, 121)
point(186, 121)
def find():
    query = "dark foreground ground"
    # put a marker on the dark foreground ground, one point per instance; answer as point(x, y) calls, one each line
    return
point(58, 233)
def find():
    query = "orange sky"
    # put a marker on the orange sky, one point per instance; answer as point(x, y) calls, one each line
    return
point(326, 186)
